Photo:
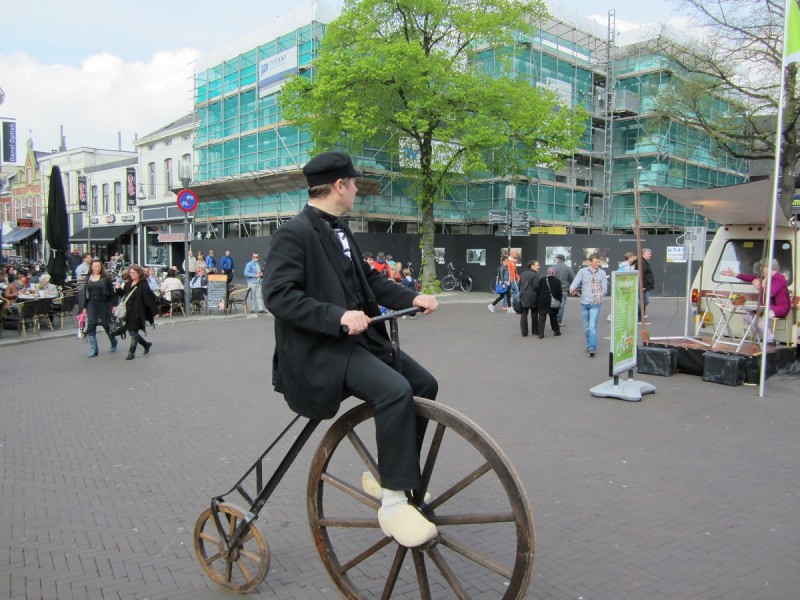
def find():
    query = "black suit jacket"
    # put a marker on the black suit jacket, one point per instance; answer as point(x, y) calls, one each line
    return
point(305, 290)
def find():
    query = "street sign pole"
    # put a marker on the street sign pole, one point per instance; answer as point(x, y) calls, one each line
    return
point(187, 202)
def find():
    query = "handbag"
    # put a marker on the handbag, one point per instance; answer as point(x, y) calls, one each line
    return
point(500, 287)
point(555, 303)
point(517, 306)
point(121, 310)
point(116, 328)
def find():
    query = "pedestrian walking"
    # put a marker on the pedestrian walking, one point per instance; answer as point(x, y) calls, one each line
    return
point(648, 282)
point(501, 284)
point(528, 298)
point(254, 277)
point(211, 262)
point(549, 291)
point(592, 282)
point(140, 309)
point(227, 265)
point(97, 299)
point(565, 276)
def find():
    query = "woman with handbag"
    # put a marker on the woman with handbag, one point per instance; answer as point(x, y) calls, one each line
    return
point(97, 300)
point(140, 309)
point(501, 285)
point(549, 301)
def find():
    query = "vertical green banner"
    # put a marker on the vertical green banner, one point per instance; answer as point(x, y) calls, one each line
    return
point(624, 300)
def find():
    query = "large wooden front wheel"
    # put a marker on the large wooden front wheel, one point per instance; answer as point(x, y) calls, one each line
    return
point(486, 543)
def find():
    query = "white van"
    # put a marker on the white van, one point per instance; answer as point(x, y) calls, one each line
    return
point(741, 242)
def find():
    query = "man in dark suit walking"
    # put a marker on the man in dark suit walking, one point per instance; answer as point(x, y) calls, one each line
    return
point(323, 298)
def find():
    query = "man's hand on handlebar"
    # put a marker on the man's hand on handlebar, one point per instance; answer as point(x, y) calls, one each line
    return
point(427, 303)
point(354, 322)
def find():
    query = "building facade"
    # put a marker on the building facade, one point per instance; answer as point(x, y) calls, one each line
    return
point(248, 158)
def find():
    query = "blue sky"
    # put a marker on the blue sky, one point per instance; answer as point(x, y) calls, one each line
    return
point(100, 66)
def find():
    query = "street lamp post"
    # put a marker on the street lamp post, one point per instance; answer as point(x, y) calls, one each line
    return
point(185, 175)
point(511, 194)
point(143, 243)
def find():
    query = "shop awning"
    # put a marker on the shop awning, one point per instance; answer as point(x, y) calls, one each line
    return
point(19, 234)
point(744, 204)
point(266, 183)
point(101, 234)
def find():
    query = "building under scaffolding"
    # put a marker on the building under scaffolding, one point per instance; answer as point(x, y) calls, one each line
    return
point(249, 160)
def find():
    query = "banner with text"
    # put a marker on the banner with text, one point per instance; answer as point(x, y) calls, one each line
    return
point(83, 195)
point(624, 299)
point(130, 186)
point(273, 71)
point(9, 141)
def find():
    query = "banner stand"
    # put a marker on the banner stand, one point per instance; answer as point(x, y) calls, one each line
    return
point(622, 358)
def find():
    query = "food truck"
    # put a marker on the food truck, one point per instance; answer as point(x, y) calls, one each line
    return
point(741, 243)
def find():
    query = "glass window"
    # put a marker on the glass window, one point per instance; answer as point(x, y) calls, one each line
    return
point(118, 196)
point(106, 198)
point(743, 256)
point(95, 208)
point(151, 180)
point(167, 175)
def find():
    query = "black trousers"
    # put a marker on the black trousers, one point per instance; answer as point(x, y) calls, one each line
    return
point(523, 321)
point(553, 321)
point(391, 393)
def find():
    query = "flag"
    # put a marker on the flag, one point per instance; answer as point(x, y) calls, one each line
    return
point(791, 35)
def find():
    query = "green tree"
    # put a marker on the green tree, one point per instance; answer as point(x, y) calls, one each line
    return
point(405, 72)
point(729, 86)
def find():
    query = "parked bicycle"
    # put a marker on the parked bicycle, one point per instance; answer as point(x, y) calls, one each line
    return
point(451, 280)
point(470, 491)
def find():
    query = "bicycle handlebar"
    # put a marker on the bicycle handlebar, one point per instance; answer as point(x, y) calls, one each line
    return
point(388, 316)
point(398, 313)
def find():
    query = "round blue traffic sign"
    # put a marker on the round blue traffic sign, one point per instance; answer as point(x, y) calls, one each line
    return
point(187, 200)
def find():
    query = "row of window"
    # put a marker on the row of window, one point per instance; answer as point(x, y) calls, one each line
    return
point(22, 208)
point(155, 188)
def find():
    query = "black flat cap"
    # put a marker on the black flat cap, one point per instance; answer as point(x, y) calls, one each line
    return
point(328, 167)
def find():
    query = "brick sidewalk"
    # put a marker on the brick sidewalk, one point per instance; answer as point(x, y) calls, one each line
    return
point(107, 463)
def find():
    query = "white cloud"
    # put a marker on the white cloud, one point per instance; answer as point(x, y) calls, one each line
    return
point(94, 101)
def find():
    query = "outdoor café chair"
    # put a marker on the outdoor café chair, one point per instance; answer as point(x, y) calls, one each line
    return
point(44, 309)
point(65, 307)
point(238, 297)
point(23, 314)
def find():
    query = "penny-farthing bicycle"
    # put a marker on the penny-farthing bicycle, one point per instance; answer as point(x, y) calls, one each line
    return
point(470, 490)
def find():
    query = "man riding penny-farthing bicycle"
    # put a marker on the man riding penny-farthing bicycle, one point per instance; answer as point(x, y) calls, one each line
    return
point(330, 345)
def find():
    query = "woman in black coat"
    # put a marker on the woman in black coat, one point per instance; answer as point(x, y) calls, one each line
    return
point(528, 298)
point(141, 309)
point(549, 287)
point(96, 300)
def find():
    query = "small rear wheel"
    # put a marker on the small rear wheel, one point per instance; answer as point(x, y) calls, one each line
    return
point(466, 284)
point(241, 568)
point(448, 283)
point(485, 546)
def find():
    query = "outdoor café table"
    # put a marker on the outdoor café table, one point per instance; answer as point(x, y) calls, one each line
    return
point(729, 311)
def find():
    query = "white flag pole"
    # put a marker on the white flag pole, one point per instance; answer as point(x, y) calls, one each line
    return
point(774, 204)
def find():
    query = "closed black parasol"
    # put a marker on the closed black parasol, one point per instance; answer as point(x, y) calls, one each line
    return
point(57, 228)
